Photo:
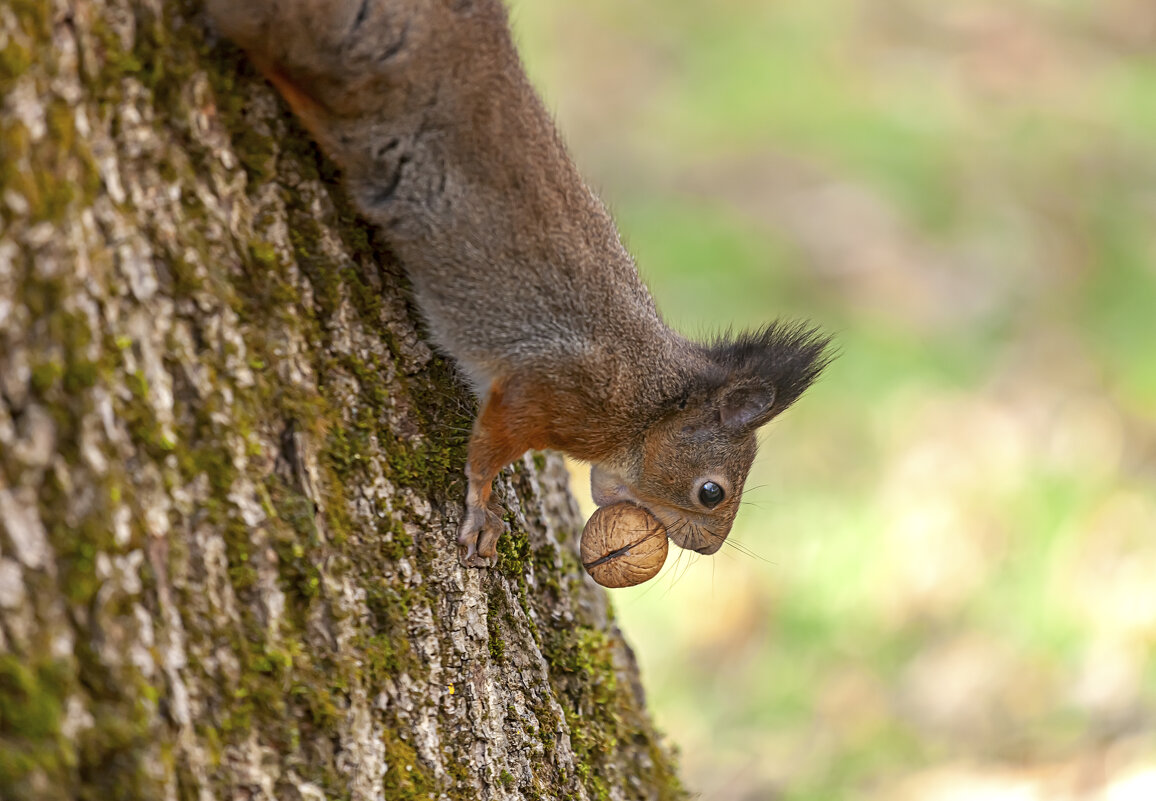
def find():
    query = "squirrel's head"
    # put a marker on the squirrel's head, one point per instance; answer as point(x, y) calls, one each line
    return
point(691, 465)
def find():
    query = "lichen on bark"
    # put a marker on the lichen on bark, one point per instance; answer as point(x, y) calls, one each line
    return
point(230, 470)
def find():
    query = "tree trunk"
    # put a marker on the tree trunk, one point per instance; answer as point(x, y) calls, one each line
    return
point(230, 470)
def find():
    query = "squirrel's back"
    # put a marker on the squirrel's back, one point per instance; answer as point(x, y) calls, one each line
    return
point(446, 146)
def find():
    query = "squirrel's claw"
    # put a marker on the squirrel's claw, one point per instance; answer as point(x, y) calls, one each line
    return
point(478, 537)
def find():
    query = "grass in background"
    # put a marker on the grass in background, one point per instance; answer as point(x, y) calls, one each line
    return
point(955, 531)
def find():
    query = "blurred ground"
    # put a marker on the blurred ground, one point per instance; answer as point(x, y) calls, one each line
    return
point(944, 584)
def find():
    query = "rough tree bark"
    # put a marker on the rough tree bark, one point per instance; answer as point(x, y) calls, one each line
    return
point(230, 470)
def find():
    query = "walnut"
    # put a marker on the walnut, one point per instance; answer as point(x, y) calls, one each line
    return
point(623, 545)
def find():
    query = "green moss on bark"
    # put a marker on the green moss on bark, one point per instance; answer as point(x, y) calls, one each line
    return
point(128, 514)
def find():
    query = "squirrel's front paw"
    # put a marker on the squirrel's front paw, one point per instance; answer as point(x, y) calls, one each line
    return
point(478, 537)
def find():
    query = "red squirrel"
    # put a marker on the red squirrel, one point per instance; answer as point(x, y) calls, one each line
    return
point(516, 265)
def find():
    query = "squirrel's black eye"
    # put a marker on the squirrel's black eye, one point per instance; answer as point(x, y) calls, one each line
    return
point(711, 494)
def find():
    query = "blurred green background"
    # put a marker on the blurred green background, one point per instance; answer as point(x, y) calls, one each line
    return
point(944, 584)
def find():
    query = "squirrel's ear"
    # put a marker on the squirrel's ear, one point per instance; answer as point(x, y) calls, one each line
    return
point(764, 372)
point(746, 406)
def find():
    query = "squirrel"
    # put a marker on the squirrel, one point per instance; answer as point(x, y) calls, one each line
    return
point(516, 265)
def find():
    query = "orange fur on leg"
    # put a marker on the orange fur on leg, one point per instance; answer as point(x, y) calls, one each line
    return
point(505, 429)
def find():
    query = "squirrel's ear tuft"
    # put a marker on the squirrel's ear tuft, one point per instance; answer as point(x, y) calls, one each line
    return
point(767, 370)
